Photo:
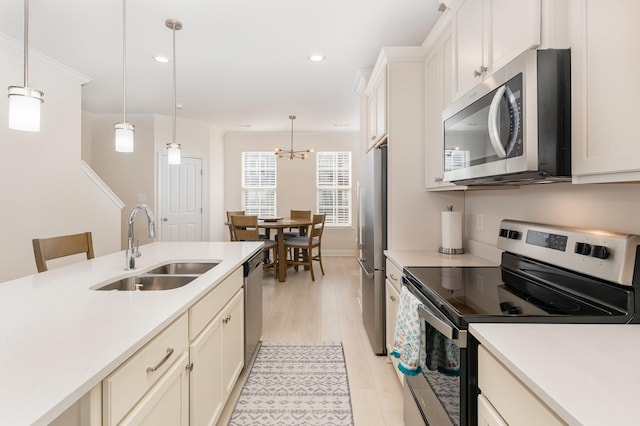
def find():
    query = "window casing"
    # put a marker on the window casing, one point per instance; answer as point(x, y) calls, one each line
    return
point(259, 183)
point(333, 179)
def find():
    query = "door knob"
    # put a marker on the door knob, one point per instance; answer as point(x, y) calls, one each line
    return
point(165, 219)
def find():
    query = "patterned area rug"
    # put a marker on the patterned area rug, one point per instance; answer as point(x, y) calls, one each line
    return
point(295, 384)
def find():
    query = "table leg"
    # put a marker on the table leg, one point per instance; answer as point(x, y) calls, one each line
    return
point(282, 257)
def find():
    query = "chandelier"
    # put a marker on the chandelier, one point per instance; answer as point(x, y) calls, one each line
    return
point(290, 153)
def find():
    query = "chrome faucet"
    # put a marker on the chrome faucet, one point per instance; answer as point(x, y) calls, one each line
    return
point(133, 252)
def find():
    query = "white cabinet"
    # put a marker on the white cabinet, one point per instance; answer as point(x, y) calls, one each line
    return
point(393, 285)
point(487, 34)
point(438, 49)
point(217, 348)
point(186, 373)
point(504, 399)
point(217, 357)
point(605, 88)
point(167, 402)
point(155, 369)
point(377, 108)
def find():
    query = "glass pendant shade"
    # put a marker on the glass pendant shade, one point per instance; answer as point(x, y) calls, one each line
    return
point(124, 137)
point(173, 153)
point(24, 108)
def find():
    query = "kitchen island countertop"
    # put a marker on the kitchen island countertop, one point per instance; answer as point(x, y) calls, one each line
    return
point(587, 373)
point(59, 338)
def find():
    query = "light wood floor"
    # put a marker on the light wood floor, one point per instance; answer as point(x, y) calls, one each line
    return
point(327, 310)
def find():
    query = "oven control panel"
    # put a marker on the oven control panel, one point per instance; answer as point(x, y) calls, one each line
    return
point(606, 255)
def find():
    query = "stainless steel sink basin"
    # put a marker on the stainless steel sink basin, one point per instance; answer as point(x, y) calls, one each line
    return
point(183, 268)
point(148, 282)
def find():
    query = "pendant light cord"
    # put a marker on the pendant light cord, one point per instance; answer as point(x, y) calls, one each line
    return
point(26, 43)
point(174, 83)
point(124, 60)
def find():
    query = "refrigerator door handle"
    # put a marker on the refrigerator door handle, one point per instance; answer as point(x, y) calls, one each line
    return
point(363, 265)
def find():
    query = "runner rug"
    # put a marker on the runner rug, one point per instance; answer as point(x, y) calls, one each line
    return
point(295, 384)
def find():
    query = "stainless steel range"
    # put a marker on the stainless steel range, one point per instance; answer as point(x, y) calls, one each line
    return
point(548, 274)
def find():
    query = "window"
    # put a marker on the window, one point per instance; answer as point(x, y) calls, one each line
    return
point(259, 183)
point(334, 187)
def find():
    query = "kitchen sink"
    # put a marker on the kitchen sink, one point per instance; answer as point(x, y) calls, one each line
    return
point(148, 282)
point(183, 268)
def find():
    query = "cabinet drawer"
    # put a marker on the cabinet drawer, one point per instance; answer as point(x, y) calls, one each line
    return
point(123, 388)
point(513, 400)
point(208, 307)
point(394, 274)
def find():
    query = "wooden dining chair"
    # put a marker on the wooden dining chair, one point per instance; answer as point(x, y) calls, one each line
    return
point(52, 248)
point(298, 232)
point(304, 246)
point(229, 214)
point(245, 228)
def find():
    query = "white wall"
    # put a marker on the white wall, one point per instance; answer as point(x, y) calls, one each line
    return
point(296, 180)
point(44, 192)
point(610, 207)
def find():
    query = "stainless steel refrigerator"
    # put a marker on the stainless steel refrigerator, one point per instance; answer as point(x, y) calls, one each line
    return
point(373, 241)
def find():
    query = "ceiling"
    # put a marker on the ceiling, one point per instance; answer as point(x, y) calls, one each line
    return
point(241, 64)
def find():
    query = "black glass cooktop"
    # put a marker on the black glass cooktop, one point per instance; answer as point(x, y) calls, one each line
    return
point(493, 294)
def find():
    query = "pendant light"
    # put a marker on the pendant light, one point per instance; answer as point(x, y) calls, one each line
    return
point(174, 148)
point(124, 131)
point(24, 102)
point(290, 153)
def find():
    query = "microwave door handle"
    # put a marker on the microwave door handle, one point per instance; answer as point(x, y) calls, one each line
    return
point(494, 134)
point(459, 337)
point(515, 120)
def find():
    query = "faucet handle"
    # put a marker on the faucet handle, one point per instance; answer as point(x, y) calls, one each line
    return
point(136, 250)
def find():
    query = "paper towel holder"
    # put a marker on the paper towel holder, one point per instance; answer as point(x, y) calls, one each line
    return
point(450, 251)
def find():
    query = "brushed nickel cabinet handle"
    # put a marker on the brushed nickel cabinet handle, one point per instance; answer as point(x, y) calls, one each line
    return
point(166, 357)
point(393, 298)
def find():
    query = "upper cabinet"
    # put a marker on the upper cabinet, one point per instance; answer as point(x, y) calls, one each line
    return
point(487, 34)
point(438, 48)
point(605, 88)
point(377, 107)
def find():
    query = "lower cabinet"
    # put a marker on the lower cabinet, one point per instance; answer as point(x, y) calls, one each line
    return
point(505, 400)
point(185, 374)
point(393, 284)
point(217, 355)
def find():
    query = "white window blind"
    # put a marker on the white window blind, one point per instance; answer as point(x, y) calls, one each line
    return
point(259, 183)
point(334, 187)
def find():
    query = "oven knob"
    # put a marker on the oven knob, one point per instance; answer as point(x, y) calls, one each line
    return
point(600, 252)
point(583, 249)
point(514, 235)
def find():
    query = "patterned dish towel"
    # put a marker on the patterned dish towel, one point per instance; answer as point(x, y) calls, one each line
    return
point(409, 336)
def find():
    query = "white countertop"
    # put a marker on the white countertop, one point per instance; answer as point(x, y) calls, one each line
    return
point(406, 258)
point(587, 374)
point(58, 338)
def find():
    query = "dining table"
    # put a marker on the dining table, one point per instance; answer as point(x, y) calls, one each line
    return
point(280, 224)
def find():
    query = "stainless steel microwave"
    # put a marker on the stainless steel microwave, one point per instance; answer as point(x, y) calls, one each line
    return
point(515, 127)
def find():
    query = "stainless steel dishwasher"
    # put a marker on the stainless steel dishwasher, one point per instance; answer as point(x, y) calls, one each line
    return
point(252, 305)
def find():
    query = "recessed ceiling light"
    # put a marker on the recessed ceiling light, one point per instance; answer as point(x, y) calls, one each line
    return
point(316, 57)
point(162, 59)
point(242, 125)
point(341, 125)
point(179, 105)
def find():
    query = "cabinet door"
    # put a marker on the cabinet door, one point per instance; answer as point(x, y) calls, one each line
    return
point(167, 402)
point(469, 44)
point(381, 106)
point(605, 90)
point(371, 120)
point(487, 415)
point(391, 310)
point(515, 28)
point(206, 377)
point(232, 342)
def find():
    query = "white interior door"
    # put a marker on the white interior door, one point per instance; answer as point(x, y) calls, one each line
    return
point(181, 199)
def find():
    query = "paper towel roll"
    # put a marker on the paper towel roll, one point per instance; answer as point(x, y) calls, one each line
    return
point(451, 230)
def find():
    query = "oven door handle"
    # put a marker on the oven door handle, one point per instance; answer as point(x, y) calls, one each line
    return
point(459, 337)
